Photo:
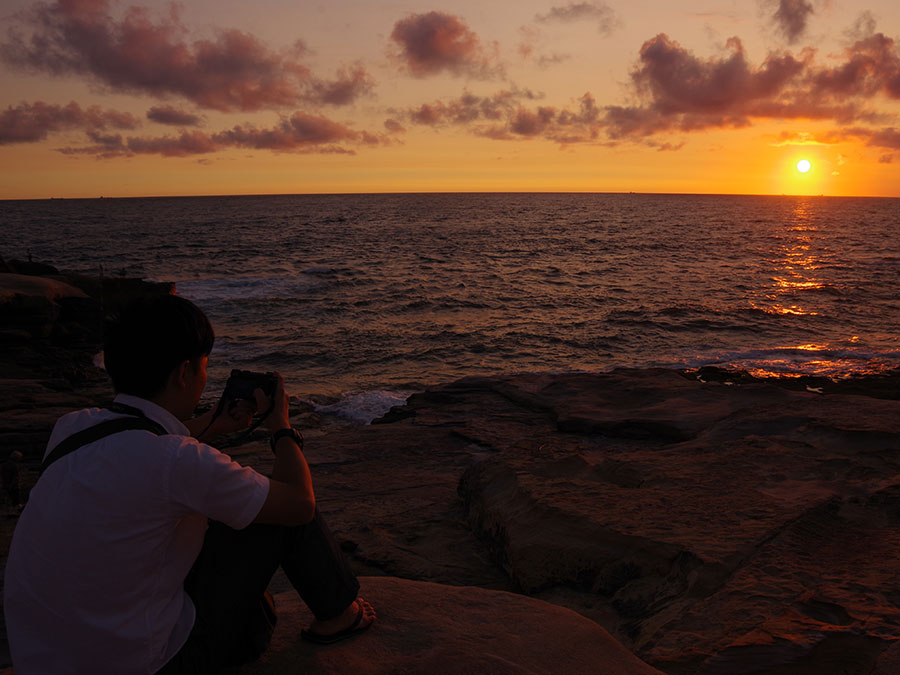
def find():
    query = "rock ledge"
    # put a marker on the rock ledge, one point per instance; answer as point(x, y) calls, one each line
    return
point(431, 628)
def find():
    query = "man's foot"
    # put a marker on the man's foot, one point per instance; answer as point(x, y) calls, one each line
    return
point(355, 619)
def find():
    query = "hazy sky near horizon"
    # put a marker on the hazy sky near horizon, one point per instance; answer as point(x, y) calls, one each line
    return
point(101, 97)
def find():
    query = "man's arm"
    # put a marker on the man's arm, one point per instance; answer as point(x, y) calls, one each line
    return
point(291, 499)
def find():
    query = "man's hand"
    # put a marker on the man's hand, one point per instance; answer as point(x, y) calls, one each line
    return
point(236, 416)
point(280, 417)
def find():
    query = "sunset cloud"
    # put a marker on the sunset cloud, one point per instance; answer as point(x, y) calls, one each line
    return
point(680, 92)
point(791, 17)
point(683, 92)
point(187, 143)
point(433, 43)
point(872, 67)
point(711, 91)
point(470, 108)
point(232, 71)
point(531, 48)
point(505, 116)
point(300, 133)
point(32, 122)
point(394, 127)
point(350, 84)
point(595, 12)
point(165, 114)
point(886, 138)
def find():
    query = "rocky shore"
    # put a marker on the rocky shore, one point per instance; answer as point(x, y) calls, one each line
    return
point(707, 522)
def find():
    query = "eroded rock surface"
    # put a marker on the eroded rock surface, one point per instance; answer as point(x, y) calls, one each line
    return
point(443, 630)
point(711, 528)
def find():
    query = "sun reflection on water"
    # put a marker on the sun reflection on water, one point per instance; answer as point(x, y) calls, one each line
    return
point(800, 264)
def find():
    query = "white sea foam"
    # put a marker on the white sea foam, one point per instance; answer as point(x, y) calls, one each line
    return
point(361, 407)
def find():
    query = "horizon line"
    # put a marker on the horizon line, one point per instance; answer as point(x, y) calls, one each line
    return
point(449, 192)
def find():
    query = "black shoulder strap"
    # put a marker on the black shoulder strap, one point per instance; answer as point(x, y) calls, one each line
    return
point(101, 430)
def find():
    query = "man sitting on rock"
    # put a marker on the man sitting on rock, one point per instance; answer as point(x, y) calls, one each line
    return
point(144, 550)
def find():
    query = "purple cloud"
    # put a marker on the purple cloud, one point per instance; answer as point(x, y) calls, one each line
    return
point(139, 53)
point(350, 84)
point(791, 17)
point(598, 12)
point(433, 43)
point(31, 122)
point(164, 114)
point(684, 92)
point(298, 132)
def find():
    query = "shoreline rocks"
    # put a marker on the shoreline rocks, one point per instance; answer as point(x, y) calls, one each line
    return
point(710, 528)
point(708, 521)
point(449, 630)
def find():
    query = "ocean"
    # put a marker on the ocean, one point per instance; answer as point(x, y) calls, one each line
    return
point(369, 297)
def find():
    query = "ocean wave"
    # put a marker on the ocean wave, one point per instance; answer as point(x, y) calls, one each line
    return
point(811, 359)
point(245, 288)
point(361, 407)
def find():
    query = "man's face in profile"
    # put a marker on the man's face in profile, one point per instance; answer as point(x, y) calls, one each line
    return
point(196, 372)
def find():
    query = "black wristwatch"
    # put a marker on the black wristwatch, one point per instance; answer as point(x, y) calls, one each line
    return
point(281, 433)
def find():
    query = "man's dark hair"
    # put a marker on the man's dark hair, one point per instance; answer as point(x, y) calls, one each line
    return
point(148, 338)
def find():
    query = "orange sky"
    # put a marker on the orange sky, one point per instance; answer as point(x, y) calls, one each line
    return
point(278, 96)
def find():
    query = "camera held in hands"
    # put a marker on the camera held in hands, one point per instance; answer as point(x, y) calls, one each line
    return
point(242, 383)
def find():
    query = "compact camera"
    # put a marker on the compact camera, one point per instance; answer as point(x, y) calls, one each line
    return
point(242, 383)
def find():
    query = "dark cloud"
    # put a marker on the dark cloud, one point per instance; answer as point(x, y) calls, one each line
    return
point(350, 84)
point(791, 17)
point(886, 159)
point(433, 43)
point(679, 83)
point(505, 116)
point(529, 51)
point(186, 144)
point(863, 27)
point(679, 92)
point(31, 122)
point(470, 108)
point(598, 12)
point(683, 92)
point(300, 131)
point(164, 114)
point(532, 123)
point(872, 67)
point(140, 53)
point(563, 126)
point(885, 138)
point(394, 127)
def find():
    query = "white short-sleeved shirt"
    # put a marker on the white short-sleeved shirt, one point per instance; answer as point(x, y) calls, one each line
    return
point(94, 580)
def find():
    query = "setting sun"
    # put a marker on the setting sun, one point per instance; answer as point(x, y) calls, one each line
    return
point(803, 166)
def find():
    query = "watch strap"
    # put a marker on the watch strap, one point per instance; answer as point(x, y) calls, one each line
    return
point(289, 432)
